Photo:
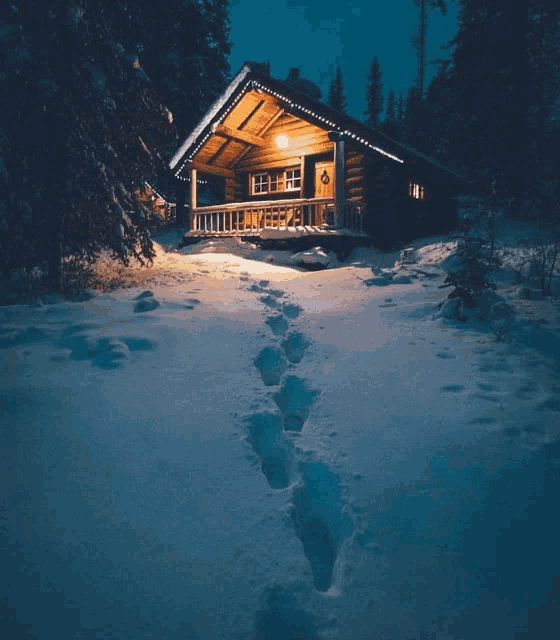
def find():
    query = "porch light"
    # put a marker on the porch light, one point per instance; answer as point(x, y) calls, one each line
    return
point(282, 141)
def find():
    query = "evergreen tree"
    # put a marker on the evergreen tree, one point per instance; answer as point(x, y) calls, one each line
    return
point(489, 101)
point(437, 103)
point(420, 39)
point(390, 124)
point(184, 50)
point(83, 129)
point(374, 95)
point(303, 85)
point(337, 92)
point(82, 95)
point(400, 109)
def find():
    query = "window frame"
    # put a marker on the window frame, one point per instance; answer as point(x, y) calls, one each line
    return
point(275, 178)
point(416, 190)
point(292, 179)
point(266, 184)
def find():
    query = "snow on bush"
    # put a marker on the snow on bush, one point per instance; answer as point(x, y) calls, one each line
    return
point(451, 309)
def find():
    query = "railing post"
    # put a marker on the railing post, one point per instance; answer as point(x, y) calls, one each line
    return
point(336, 137)
point(192, 198)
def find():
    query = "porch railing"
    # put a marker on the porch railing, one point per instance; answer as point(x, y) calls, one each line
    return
point(278, 214)
point(352, 215)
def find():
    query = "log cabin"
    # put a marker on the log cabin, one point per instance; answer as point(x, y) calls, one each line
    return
point(289, 162)
point(160, 209)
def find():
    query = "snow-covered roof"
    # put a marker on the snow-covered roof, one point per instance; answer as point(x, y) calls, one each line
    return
point(303, 106)
point(210, 115)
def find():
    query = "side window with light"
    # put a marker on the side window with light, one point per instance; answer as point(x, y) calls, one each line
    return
point(416, 191)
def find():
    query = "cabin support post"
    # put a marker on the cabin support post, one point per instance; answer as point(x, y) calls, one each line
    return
point(337, 138)
point(192, 199)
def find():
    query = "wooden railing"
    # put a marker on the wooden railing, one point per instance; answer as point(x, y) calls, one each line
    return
point(278, 214)
point(352, 215)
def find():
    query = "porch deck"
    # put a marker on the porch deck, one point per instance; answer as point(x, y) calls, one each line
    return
point(312, 216)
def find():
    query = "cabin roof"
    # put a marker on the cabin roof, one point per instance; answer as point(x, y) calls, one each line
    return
point(280, 97)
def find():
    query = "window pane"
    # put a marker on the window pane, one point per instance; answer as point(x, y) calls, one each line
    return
point(260, 183)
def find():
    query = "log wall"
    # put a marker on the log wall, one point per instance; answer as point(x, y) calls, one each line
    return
point(230, 190)
point(305, 139)
point(354, 175)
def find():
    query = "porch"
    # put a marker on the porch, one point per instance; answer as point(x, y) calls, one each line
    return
point(310, 215)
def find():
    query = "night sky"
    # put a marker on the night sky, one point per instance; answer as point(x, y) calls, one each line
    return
point(319, 34)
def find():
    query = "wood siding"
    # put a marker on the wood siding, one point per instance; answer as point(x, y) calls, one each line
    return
point(304, 139)
point(354, 175)
point(230, 190)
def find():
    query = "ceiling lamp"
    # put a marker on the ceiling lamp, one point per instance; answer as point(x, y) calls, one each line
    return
point(282, 141)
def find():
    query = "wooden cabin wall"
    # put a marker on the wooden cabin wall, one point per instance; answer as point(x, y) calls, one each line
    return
point(354, 174)
point(230, 190)
point(305, 139)
point(240, 186)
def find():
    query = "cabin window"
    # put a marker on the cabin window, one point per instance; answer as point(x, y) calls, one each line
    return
point(260, 183)
point(276, 181)
point(293, 179)
point(416, 191)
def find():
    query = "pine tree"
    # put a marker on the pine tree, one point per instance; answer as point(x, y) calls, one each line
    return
point(420, 39)
point(184, 50)
point(337, 92)
point(86, 130)
point(400, 109)
point(390, 126)
point(374, 95)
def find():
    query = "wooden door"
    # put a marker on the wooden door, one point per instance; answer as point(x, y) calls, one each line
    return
point(324, 180)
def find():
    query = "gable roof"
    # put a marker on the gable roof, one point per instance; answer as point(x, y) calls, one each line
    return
point(298, 104)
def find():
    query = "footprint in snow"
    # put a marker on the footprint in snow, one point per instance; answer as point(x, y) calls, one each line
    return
point(11, 338)
point(319, 521)
point(271, 364)
point(455, 388)
point(106, 353)
point(271, 446)
point(487, 387)
point(445, 355)
point(483, 420)
point(294, 399)
point(291, 310)
point(550, 404)
point(295, 345)
point(191, 303)
point(276, 293)
point(278, 324)
point(145, 302)
point(270, 301)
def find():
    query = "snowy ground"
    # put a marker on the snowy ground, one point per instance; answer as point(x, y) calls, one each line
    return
point(263, 452)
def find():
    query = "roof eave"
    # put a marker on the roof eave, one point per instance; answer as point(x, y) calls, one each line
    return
point(210, 115)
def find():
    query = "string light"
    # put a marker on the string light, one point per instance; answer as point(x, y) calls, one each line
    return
point(290, 104)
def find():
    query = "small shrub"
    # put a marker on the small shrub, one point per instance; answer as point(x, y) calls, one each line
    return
point(468, 272)
point(501, 320)
point(544, 258)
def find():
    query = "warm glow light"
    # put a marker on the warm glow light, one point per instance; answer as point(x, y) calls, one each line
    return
point(282, 141)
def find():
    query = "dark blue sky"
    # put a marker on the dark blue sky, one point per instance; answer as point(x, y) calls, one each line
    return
point(316, 35)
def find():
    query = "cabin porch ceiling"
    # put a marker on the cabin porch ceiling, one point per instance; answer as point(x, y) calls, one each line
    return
point(258, 126)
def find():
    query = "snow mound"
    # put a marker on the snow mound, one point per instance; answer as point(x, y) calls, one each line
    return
point(314, 257)
point(451, 309)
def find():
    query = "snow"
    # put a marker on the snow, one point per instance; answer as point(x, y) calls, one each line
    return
point(230, 448)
